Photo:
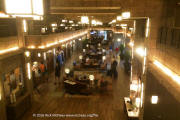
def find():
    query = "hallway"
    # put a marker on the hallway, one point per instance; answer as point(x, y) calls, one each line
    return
point(106, 106)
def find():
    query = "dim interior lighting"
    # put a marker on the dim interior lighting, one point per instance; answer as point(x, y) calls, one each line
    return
point(27, 53)
point(168, 72)
point(39, 54)
point(87, 45)
point(25, 25)
point(80, 57)
point(29, 70)
point(91, 77)
point(119, 40)
point(134, 87)
point(126, 15)
point(119, 18)
point(67, 70)
point(154, 99)
point(84, 50)
point(0, 96)
point(80, 39)
point(99, 44)
point(9, 50)
point(84, 20)
point(141, 51)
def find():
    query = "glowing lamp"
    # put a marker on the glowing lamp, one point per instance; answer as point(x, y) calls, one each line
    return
point(140, 51)
point(154, 99)
point(93, 22)
point(91, 77)
point(104, 58)
point(84, 20)
point(27, 53)
point(103, 50)
point(119, 40)
point(113, 21)
point(80, 57)
point(131, 44)
point(67, 70)
point(126, 15)
point(119, 18)
point(39, 54)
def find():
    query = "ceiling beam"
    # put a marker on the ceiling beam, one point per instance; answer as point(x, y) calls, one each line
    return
point(53, 13)
point(84, 8)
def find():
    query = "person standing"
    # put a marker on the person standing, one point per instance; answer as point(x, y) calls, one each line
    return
point(114, 69)
point(108, 67)
point(57, 73)
point(42, 70)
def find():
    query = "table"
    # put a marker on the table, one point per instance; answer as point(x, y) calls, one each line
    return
point(134, 113)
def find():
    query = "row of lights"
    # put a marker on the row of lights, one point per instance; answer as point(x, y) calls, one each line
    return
point(60, 41)
point(85, 20)
point(125, 15)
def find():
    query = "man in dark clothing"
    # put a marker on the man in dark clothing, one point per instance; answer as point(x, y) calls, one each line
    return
point(114, 70)
point(57, 73)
